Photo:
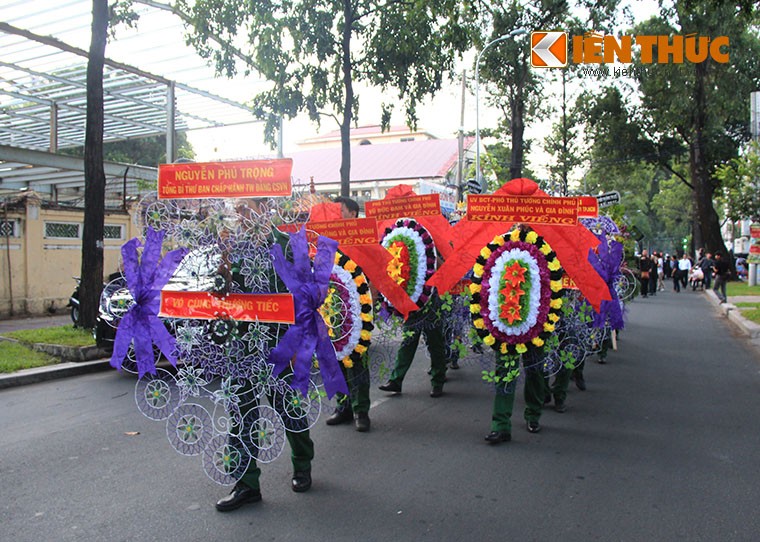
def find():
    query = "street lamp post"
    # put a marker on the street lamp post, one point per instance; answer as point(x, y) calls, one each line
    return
point(513, 33)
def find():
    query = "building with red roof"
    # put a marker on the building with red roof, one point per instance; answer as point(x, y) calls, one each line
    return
point(380, 161)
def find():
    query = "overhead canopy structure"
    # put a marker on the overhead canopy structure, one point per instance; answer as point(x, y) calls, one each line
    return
point(43, 65)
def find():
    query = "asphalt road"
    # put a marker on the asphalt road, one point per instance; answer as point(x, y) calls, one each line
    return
point(664, 445)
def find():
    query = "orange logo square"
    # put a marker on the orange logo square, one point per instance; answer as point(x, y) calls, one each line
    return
point(548, 49)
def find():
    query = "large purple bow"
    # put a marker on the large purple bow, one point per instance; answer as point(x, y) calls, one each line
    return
point(607, 262)
point(309, 333)
point(141, 324)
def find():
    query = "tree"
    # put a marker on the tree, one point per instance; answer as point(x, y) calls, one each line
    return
point(740, 185)
point(314, 51)
point(517, 89)
point(563, 145)
point(702, 105)
point(94, 175)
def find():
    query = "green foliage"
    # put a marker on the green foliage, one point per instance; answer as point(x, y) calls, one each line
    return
point(565, 148)
point(314, 51)
point(740, 182)
point(63, 335)
point(16, 356)
point(673, 208)
point(496, 163)
point(512, 85)
point(145, 151)
point(507, 371)
point(121, 13)
point(567, 359)
point(700, 107)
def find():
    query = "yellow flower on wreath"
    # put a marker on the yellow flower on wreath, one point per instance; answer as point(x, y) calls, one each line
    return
point(521, 348)
point(347, 362)
point(489, 340)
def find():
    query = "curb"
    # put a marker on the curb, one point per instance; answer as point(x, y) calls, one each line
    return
point(51, 372)
point(746, 327)
point(65, 353)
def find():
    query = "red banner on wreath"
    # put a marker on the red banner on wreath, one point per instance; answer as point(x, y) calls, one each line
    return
point(271, 308)
point(588, 207)
point(568, 283)
point(529, 210)
point(409, 206)
point(242, 179)
point(350, 231)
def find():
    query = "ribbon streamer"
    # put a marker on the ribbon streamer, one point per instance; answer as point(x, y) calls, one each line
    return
point(308, 336)
point(141, 325)
point(606, 261)
point(571, 243)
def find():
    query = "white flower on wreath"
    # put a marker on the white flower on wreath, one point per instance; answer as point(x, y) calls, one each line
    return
point(497, 271)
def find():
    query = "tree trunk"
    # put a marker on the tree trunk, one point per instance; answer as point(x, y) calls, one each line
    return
point(705, 214)
point(94, 174)
point(517, 126)
point(345, 125)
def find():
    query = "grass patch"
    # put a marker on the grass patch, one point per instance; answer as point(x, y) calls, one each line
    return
point(740, 288)
point(744, 304)
point(752, 315)
point(63, 335)
point(16, 356)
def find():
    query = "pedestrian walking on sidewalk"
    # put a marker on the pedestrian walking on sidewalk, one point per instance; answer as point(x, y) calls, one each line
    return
point(722, 274)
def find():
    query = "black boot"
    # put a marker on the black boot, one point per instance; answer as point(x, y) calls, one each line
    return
point(341, 415)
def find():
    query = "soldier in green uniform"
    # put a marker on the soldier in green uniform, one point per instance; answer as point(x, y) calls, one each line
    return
point(356, 405)
point(425, 321)
point(247, 489)
point(504, 400)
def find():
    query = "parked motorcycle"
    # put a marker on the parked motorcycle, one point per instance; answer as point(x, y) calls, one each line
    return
point(74, 302)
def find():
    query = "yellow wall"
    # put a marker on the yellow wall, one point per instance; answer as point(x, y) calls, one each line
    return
point(42, 267)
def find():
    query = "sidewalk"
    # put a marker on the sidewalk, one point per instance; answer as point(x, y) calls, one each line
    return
point(48, 372)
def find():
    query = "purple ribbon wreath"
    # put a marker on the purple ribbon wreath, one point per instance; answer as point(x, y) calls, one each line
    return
point(308, 336)
point(141, 325)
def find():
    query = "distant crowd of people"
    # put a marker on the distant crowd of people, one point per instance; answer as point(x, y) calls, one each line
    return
point(656, 268)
